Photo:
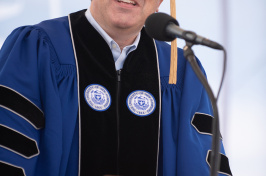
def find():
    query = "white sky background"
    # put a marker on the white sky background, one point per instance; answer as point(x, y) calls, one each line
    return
point(238, 25)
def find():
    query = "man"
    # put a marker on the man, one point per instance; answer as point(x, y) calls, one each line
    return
point(88, 95)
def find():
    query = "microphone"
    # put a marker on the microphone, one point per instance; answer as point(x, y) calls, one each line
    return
point(162, 26)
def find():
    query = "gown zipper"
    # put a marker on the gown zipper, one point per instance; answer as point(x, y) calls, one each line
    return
point(118, 116)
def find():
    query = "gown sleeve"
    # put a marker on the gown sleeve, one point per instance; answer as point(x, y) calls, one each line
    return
point(195, 131)
point(185, 140)
point(26, 84)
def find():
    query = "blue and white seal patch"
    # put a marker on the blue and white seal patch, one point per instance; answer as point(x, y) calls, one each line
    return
point(141, 103)
point(97, 97)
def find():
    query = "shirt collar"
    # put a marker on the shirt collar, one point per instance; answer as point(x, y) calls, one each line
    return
point(106, 37)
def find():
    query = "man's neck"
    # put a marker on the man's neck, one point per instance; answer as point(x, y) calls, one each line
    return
point(122, 39)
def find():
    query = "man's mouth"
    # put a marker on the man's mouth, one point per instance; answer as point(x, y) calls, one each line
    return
point(127, 2)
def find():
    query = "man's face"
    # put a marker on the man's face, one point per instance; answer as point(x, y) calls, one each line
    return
point(123, 14)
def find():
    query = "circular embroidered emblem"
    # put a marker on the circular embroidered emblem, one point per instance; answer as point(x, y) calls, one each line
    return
point(141, 103)
point(97, 97)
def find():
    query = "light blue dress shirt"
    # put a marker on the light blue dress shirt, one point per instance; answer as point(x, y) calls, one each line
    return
point(119, 56)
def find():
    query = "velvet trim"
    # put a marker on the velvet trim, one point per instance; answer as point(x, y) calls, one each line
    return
point(224, 163)
point(116, 141)
point(8, 169)
point(18, 104)
point(203, 123)
point(17, 142)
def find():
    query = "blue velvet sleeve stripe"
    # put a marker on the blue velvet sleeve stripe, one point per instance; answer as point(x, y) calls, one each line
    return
point(18, 104)
point(17, 142)
point(9, 169)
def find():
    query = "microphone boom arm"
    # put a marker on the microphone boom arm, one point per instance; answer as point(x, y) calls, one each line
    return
point(189, 36)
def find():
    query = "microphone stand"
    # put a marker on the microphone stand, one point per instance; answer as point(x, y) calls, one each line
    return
point(215, 154)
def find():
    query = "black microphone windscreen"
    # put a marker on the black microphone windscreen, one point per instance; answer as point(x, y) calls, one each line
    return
point(156, 24)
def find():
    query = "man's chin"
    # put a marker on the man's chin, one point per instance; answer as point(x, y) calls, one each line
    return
point(127, 23)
